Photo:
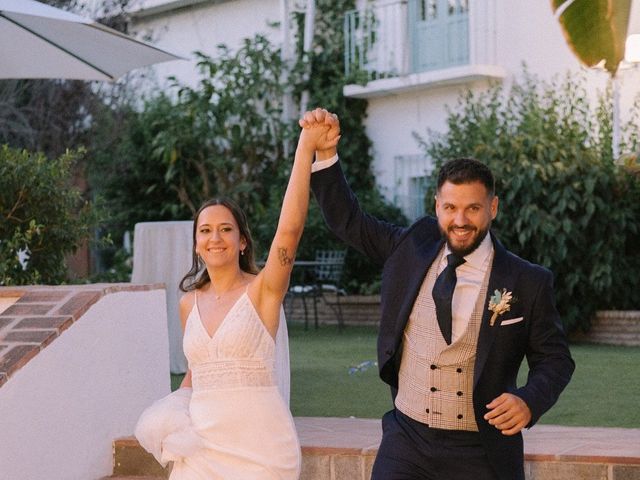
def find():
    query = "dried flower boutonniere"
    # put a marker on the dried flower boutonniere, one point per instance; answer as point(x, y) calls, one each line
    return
point(499, 303)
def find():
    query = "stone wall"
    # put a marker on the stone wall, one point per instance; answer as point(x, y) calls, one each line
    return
point(356, 309)
point(345, 449)
point(613, 327)
point(610, 327)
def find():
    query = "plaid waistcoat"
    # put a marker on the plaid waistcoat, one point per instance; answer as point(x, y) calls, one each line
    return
point(436, 379)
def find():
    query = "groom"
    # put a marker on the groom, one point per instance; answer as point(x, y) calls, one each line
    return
point(459, 314)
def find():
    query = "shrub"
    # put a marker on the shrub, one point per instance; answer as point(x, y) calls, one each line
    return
point(563, 203)
point(43, 217)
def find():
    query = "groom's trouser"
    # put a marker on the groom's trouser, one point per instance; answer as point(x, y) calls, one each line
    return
point(412, 451)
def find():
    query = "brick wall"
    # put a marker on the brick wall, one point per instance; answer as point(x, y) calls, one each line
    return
point(356, 309)
point(613, 327)
point(345, 449)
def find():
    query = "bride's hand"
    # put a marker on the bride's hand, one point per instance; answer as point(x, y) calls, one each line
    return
point(320, 129)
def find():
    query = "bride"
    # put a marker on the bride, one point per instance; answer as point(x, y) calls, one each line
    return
point(229, 420)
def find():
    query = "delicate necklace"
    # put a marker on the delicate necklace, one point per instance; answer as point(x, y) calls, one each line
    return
point(218, 296)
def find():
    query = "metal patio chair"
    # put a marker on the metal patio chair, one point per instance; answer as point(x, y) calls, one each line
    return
point(320, 277)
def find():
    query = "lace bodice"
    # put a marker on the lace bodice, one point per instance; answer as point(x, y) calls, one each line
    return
point(241, 353)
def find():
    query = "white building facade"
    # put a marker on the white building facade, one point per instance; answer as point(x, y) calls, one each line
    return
point(186, 26)
point(421, 54)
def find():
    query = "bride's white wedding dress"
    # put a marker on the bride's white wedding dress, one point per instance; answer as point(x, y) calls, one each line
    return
point(235, 425)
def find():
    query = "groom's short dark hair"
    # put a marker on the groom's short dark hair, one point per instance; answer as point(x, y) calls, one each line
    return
point(467, 170)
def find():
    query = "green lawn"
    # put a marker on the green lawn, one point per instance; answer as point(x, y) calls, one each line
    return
point(604, 390)
point(321, 384)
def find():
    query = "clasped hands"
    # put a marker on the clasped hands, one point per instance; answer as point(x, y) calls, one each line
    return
point(320, 132)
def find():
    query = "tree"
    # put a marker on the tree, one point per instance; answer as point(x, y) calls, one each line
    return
point(221, 137)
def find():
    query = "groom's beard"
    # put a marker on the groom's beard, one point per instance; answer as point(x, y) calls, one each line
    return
point(463, 251)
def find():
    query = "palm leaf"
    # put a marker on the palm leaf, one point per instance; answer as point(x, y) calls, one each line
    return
point(596, 30)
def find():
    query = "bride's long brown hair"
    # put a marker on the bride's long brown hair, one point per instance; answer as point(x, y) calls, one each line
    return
point(191, 281)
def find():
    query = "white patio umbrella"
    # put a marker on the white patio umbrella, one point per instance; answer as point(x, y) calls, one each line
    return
point(40, 41)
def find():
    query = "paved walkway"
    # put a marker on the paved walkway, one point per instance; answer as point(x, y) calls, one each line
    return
point(542, 442)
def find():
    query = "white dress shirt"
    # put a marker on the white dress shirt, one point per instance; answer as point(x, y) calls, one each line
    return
point(322, 164)
point(470, 276)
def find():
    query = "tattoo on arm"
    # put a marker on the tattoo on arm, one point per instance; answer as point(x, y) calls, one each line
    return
point(284, 258)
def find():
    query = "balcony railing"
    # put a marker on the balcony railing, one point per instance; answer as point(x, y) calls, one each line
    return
point(376, 39)
point(390, 38)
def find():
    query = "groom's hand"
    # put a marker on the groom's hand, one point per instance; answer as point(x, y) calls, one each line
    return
point(508, 413)
point(326, 144)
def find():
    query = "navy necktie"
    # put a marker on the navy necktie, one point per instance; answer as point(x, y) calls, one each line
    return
point(443, 294)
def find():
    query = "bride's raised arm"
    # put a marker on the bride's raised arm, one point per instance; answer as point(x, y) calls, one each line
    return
point(321, 133)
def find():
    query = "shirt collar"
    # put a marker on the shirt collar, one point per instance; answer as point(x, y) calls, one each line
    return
point(479, 256)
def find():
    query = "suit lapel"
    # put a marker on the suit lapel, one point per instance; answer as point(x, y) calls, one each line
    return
point(501, 277)
point(424, 256)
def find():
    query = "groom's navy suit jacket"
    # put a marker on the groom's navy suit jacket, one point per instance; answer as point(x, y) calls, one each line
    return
point(406, 254)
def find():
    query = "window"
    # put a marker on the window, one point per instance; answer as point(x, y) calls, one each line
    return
point(411, 173)
point(439, 34)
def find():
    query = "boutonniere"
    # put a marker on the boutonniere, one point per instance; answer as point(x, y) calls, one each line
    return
point(499, 303)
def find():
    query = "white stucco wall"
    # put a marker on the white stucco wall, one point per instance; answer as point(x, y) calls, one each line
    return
point(527, 31)
point(392, 120)
point(203, 27)
point(60, 413)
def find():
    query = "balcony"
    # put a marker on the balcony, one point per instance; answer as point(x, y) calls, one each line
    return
point(393, 46)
